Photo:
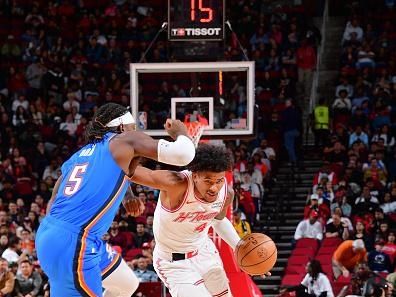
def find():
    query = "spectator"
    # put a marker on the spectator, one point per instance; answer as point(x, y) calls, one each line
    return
point(27, 242)
point(306, 63)
point(291, 126)
point(366, 202)
point(353, 27)
point(143, 274)
point(344, 86)
point(321, 208)
point(321, 123)
point(241, 226)
point(27, 282)
point(385, 135)
point(7, 278)
point(346, 208)
point(267, 150)
point(309, 228)
point(10, 254)
point(344, 219)
point(34, 74)
point(315, 282)
point(347, 256)
point(342, 105)
point(358, 135)
point(378, 261)
point(361, 233)
point(149, 225)
point(70, 103)
point(389, 247)
point(337, 228)
point(20, 101)
point(375, 173)
point(118, 238)
point(69, 126)
point(141, 235)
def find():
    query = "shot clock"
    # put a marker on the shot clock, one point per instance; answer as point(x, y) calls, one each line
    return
point(196, 20)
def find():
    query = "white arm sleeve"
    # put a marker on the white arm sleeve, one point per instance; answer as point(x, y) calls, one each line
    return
point(179, 153)
point(226, 231)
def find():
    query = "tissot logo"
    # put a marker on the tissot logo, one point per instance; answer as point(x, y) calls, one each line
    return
point(181, 32)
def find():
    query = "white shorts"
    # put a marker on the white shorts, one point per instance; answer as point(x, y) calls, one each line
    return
point(189, 277)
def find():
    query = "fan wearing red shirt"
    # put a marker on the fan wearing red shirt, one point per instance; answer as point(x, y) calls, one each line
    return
point(306, 63)
point(390, 247)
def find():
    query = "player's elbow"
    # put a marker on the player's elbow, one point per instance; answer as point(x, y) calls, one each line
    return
point(186, 154)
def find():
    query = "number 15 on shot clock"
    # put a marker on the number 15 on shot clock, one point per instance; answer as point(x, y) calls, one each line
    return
point(196, 20)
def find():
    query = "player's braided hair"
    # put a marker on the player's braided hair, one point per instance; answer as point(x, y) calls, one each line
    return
point(97, 127)
point(213, 158)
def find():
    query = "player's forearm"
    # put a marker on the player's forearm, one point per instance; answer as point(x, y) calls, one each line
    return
point(226, 231)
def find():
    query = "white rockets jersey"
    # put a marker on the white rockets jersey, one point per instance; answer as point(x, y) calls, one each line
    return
point(185, 229)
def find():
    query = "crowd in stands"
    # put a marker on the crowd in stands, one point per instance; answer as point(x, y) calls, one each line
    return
point(60, 60)
point(352, 208)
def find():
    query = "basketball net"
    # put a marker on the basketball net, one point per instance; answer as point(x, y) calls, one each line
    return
point(195, 131)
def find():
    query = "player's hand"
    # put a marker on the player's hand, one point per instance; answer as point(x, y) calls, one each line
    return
point(175, 128)
point(134, 206)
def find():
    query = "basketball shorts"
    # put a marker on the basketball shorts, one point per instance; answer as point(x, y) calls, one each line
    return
point(74, 265)
point(192, 276)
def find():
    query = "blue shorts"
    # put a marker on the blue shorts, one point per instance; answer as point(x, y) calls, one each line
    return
point(75, 264)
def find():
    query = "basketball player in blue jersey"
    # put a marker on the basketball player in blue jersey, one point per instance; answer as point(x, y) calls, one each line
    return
point(87, 196)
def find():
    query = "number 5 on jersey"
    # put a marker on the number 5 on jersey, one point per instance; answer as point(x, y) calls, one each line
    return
point(73, 184)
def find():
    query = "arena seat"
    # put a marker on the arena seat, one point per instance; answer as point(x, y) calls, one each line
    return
point(324, 259)
point(298, 260)
point(292, 280)
point(308, 242)
point(295, 269)
point(326, 250)
point(332, 241)
point(310, 252)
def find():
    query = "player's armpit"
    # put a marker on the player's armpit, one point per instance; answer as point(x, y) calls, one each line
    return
point(164, 180)
point(54, 193)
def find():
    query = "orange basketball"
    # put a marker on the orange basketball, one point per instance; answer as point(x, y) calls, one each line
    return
point(256, 254)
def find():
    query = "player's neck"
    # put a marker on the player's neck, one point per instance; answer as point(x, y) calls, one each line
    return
point(198, 195)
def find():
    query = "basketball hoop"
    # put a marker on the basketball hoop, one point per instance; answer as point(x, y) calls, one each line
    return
point(195, 131)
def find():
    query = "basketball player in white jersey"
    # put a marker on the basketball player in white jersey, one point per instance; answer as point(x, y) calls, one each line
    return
point(190, 202)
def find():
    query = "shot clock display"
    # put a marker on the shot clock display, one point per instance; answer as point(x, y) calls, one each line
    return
point(195, 20)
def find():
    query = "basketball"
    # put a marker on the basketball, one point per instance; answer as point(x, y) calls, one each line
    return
point(256, 254)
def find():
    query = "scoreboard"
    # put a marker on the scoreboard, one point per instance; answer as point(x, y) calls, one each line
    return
point(196, 20)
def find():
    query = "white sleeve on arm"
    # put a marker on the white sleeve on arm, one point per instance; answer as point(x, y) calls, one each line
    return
point(179, 153)
point(226, 231)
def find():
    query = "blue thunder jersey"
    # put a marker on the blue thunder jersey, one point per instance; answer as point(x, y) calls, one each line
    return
point(92, 189)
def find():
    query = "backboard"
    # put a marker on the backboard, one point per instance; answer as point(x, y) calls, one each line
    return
point(222, 91)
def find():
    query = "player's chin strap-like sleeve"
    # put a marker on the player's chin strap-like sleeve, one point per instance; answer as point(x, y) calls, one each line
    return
point(226, 231)
point(179, 153)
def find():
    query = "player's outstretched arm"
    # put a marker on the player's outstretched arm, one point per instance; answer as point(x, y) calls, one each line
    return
point(164, 180)
point(223, 226)
point(129, 145)
point(172, 184)
point(54, 193)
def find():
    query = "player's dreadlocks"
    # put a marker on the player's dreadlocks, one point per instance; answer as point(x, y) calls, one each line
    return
point(106, 113)
point(212, 158)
